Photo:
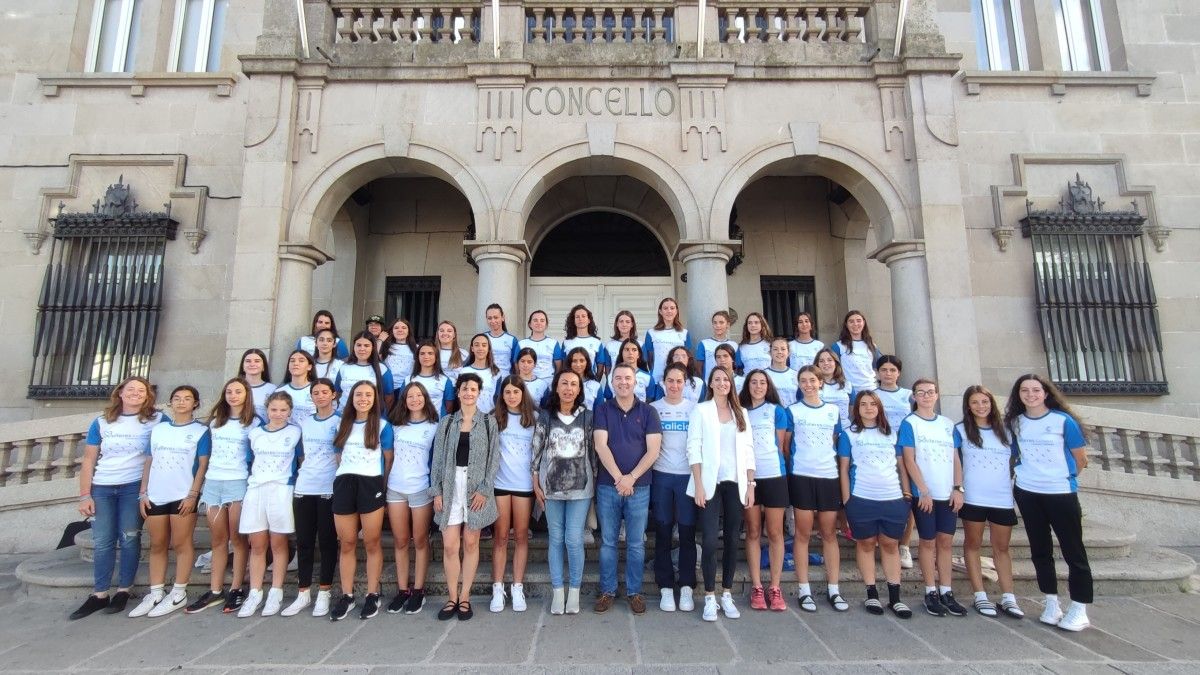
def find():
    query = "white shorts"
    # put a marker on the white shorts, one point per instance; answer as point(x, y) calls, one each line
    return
point(267, 507)
point(459, 503)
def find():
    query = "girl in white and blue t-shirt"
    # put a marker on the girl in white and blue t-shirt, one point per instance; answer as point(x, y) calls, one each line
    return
point(171, 480)
point(1051, 451)
point(516, 418)
point(897, 400)
point(255, 370)
point(325, 362)
point(782, 377)
point(364, 366)
point(301, 373)
point(323, 320)
point(409, 503)
point(581, 332)
point(725, 356)
point(312, 501)
point(667, 333)
point(754, 352)
point(538, 389)
point(579, 362)
point(399, 352)
point(834, 388)
point(546, 348)
point(484, 366)
point(624, 328)
point(694, 389)
point(644, 387)
point(428, 373)
point(802, 350)
point(768, 420)
point(504, 344)
point(451, 356)
point(705, 350)
point(856, 349)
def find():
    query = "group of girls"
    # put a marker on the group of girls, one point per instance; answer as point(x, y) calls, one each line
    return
point(426, 431)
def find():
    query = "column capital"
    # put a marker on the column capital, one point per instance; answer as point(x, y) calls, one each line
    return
point(898, 250)
point(697, 249)
point(303, 253)
point(516, 251)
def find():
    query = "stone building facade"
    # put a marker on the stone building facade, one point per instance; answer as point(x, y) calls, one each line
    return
point(875, 155)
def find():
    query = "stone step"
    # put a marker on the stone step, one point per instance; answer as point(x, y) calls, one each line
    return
point(63, 574)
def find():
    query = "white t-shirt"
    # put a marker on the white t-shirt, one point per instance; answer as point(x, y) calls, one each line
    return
point(302, 405)
point(123, 446)
point(672, 457)
point(785, 384)
point(275, 455)
point(611, 354)
point(444, 354)
point(693, 389)
point(658, 344)
point(176, 450)
point(839, 396)
point(360, 460)
point(538, 389)
point(814, 453)
point(897, 404)
point(487, 394)
point(515, 472)
point(727, 471)
point(320, 457)
point(400, 360)
point(873, 472)
point(545, 349)
point(802, 354)
point(932, 441)
point(764, 421)
point(504, 348)
point(439, 387)
point(260, 393)
point(755, 355)
point(414, 452)
point(858, 365)
point(230, 458)
point(329, 369)
point(987, 479)
point(1044, 460)
point(591, 344)
point(591, 391)
point(353, 373)
point(707, 352)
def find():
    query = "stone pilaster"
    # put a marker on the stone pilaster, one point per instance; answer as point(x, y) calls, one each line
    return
point(912, 315)
point(707, 285)
point(501, 277)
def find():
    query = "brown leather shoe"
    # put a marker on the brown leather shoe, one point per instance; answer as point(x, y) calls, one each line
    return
point(637, 604)
point(605, 603)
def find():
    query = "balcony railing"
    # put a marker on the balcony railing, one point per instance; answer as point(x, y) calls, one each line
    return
point(749, 22)
point(407, 22)
point(615, 23)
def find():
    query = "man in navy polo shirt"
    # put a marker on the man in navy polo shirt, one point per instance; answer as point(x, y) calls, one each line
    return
point(628, 435)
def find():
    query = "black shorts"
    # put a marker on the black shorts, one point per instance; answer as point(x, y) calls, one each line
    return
point(815, 494)
point(988, 514)
point(168, 509)
point(353, 494)
point(501, 492)
point(771, 492)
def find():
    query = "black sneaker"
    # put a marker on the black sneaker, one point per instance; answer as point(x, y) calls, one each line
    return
point(117, 603)
point(370, 606)
point(90, 606)
point(933, 604)
point(952, 605)
point(341, 608)
point(399, 602)
point(234, 600)
point(416, 601)
point(209, 599)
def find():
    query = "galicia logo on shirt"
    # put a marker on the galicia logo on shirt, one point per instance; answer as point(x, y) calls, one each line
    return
point(675, 425)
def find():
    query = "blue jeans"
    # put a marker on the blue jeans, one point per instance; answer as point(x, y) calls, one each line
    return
point(672, 506)
point(118, 522)
point(564, 521)
point(611, 509)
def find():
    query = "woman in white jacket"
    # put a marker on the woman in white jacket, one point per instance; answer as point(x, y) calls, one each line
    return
point(720, 449)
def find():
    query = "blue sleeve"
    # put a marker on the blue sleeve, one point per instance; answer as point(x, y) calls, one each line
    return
point(600, 417)
point(337, 382)
point(837, 428)
point(388, 383)
point(299, 449)
point(704, 392)
point(387, 438)
point(448, 395)
point(516, 349)
point(687, 342)
point(648, 349)
point(298, 341)
point(1072, 434)
point(836, 347)
point(653, 422)
point(340, 350)
point(958, 439)
point(204, 445)
point(559, 352)
point(700, 355)
point(738, 365)
point(93, 436)
point(782, 418)
point(843, 447)
point(601, 356)
point(905, 439)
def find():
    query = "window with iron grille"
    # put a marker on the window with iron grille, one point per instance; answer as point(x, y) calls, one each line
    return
point(784, 297)
point(415, 299)
point(101, 298)
point(1096, 305)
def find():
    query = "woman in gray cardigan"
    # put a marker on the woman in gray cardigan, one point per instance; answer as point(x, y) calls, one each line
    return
point(465, 458)
point(564, 472)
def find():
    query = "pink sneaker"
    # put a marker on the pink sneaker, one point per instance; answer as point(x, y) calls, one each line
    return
point(775, 600)
point(758, 600)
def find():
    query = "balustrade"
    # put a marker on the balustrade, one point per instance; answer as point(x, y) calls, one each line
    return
point(407, 22)
point(618, 23)
point(750, 22)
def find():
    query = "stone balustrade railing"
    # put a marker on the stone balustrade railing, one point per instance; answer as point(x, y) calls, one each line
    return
point(1124, 441)
point(42, 450)
point(595, 23)
point(407, 22)
point(748, 21)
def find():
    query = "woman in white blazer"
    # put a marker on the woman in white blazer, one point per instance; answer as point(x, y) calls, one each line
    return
point(720, 448)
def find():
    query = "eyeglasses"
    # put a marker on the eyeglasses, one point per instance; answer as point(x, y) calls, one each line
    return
point(925, 392)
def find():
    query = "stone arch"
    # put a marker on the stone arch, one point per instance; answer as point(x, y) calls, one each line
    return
point(873, 188)
point(542, 232)
point(322, 197)
point(575, 159)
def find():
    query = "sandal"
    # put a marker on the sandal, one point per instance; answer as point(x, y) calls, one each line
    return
point(807, 603)
point(464, 610)
point(901, 610)
point(1011, 608)
point(448, 611)
point(838, 603)
point(873, 605)
point(985, 607)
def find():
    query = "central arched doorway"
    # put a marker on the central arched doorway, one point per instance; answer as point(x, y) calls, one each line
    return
point(603, 259)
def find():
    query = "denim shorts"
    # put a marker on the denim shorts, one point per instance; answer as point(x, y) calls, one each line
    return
point(415, 500)
point(222, 492)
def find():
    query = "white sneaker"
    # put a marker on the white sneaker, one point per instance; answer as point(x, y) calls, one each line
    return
point(274, 602)
point(518, 597)
point(906, 561)
point(667, 603)
point(148, 602)
point(1076, 618)
point(171, 601)
point(497, 598)
point(293, 564)
point(304, 599)
point(727, 606)
point(253, 599)
point(572, 606)
point(1052, 614)
point(710, 608)
point(321, 606)
point(558, 601)
point(686, 603)
point(203, 560)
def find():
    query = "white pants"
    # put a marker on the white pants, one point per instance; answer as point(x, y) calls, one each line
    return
point(459, 504)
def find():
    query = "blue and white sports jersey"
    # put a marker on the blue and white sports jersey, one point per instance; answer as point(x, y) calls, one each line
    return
point(261, 393)
point(658, 343)
point(440, 389)
point(353, 373)
point(706, 354)
point(123, 445)
point(276, 455)
point(230, 459)
point(414, 455)
point(444, 354)
point(515, 472)
point(765, 421)
point(504, 351)
point(328, 369)
point(814, 428)
point(357, 458)
point(755, 355)
point(546, 349)
point(487, 394)
point(693, 390)
point(897, 404)
point(610, 354)
point(644, 388)
point(592, 390)
point(932, 441)
point(309, 344)
point(539, 391)
point(987, 477)
point(785, 384)
point(589, 343)
point(176, 452)
point(1043, 446)
point(320, 457)
point(841, 397)
point(672, 457)
point(873, 471)
point(802, 354)
point(399, 361)
point(858, 365)
point(302, 405)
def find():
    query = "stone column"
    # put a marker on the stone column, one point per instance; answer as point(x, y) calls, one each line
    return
point(501, 278)
point(912, 314)
point(292, 318)
point(707, 285)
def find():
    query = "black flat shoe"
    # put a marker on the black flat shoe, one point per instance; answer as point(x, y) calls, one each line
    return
point(117, 604)
point(464, 611)
point(448, 611)
point(90, 606)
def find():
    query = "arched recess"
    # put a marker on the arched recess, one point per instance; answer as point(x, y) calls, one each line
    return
point(621, 194)
point(575, 159)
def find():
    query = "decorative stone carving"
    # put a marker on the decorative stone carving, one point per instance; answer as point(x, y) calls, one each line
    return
point(702, 110)
point(897, 120)
point(499, 112)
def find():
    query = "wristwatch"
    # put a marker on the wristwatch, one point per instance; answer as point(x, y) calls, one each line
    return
point(959, 488)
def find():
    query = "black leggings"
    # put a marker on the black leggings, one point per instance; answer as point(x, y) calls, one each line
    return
point(314, 522)
point(1062, 514)
point(727, 503)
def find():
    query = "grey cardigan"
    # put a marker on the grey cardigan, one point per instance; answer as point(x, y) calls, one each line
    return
point(482, 464)
point(564, 457)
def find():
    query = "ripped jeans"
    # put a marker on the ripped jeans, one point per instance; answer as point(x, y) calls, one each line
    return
point(118, 522)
